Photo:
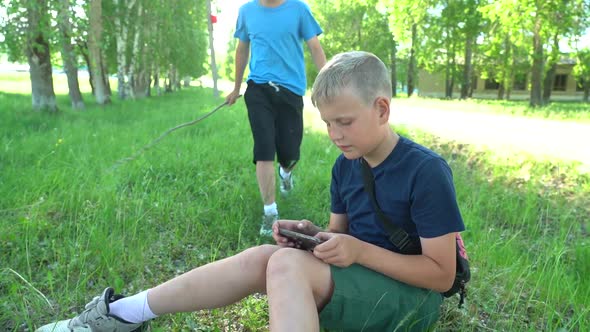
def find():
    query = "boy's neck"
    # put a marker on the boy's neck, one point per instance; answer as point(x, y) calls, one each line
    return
point(383, 150)
point(271, 3)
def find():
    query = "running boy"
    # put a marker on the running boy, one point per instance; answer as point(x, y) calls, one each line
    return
point(274, 30)
point(355, 280)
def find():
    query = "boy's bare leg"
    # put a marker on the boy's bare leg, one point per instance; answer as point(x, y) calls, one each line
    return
point(297, 285)
point(214, 285)
point(265, 174)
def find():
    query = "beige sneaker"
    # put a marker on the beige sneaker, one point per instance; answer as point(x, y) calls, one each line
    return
point(266, 226)
point(95, 318)
point(285, 184)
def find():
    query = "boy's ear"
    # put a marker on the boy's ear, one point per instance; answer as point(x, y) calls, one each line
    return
point(382, 105)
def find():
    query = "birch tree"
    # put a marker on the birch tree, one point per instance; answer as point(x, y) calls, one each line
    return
point(68, 54)
point(26, 29)
point(97, 62)
point(39, 56)
point(121, 21)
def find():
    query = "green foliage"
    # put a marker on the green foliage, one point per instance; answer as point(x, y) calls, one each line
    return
point(350, 26)
point(13, 28)
point(229, 63)
point(582, 68)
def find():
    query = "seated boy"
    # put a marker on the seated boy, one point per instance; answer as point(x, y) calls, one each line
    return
point(355, 280)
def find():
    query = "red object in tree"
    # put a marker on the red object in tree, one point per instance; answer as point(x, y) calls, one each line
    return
point(213, 19)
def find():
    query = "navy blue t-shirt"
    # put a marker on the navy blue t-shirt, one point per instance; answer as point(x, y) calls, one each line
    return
point(414, 188)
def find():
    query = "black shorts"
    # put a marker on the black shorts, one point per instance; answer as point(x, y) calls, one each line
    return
point(276, 120)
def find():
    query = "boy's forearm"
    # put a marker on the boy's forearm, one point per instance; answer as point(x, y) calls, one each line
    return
point(319, 58)
point(416, 270)
point(317, 53)
point(242, 53)
point(338, 223)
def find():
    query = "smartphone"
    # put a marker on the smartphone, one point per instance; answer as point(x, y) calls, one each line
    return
point(304, 241)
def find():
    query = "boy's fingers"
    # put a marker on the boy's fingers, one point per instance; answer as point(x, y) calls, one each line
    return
point(324, 236)
point(325, 256)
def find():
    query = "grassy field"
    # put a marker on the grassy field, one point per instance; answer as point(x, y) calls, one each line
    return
point(71, 224)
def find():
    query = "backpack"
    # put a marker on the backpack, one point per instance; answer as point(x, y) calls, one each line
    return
point(408, 246)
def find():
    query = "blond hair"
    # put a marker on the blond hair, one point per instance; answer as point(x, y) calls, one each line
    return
point(362, 73)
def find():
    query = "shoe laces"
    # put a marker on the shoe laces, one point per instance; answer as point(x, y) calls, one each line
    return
point(83, 318)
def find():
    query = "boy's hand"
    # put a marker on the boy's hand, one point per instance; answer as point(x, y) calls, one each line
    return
point(301, 226)
point(341, 250)
point(232, 97)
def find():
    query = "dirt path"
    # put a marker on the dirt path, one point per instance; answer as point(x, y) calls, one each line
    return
point(545, 139)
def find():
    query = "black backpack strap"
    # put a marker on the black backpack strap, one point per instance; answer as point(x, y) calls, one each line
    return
point(397, 236)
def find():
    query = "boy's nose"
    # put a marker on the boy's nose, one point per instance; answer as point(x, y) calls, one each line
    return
point(334, 134)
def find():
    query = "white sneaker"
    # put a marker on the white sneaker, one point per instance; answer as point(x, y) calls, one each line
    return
point(95, 318)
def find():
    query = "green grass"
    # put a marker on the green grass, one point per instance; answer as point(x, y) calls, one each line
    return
point(70, 224)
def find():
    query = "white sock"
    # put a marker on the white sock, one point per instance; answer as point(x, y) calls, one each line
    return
point(271, 209)
point(284, 174)
point(134, 309)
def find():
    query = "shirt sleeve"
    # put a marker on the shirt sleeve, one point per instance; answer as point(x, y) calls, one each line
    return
point(433, 203)
point(241, 28)
point(309, 27)
point(336, 206)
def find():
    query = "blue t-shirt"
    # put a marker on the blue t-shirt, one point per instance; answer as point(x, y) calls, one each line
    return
point(276, 38)
point(414, 188)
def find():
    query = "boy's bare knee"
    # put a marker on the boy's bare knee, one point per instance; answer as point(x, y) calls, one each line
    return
point(257, 257)
point(284, 261)
point(300, 267)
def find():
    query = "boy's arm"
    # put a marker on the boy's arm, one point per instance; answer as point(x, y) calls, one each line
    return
point(433, 269)
point(338, 223)
point(317, 52)
point(242, 54)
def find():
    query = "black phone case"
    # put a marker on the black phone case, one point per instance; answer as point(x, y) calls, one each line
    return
point(304, 241)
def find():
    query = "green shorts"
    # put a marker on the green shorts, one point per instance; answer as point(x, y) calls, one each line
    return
point(365, 300)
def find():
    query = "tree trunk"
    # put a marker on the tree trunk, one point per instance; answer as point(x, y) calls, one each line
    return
point(134, 66)
point(68, 56)
point(101, 90)
point(157, 81)
point(171, 79)
point(140, 68)
point(177, 79)
point(412, 62)
point(467, 68)
point(212, 51)
point(508, 69)
point(186, 81)
point(450, 81)
point(393, 70)
point(105, 76)
point(141, 84)
point(450, 86)
point(550, 77)
point(83, 48)
point(121, 29)
point(39, 58)
point(537, 70)
point(586, 91)
point(501, 90)
point(548, 83)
